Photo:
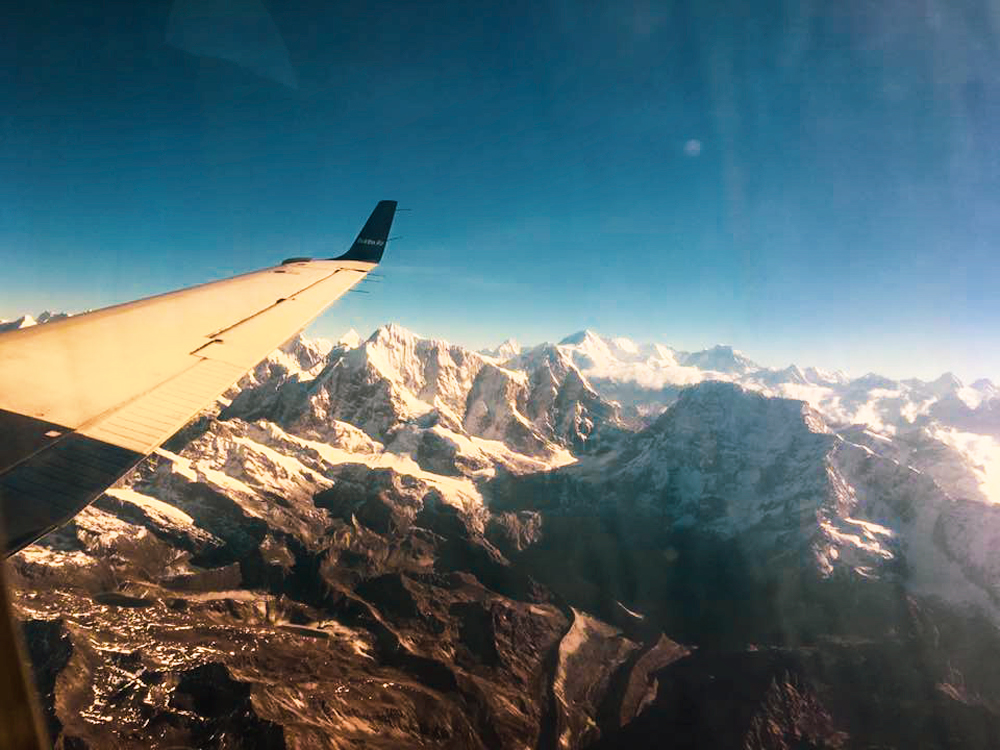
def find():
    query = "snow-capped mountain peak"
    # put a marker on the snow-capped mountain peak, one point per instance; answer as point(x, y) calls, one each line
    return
point(985, 385)
point(581, 338)
point(947, 383)
point(508, 349)
point(47, 316)
point(588, 350)
point(351, 339)
point(625, 345)
point(791, 374)
point(721, 358)
point(25, 321)
point(435, 372)
point(819, 376)
point(391, 334)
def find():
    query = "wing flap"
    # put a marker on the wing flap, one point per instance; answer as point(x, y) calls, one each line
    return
point(55, 484)
point(145, 422)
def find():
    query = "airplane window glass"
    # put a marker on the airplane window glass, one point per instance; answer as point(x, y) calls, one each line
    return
point(466, 375)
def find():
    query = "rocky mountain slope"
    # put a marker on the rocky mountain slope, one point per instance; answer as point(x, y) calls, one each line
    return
point(398, 542)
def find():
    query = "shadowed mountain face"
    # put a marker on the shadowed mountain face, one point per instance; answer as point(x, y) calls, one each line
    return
point(402, 543)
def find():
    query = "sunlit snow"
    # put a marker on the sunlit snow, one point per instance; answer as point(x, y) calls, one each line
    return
point(983, 455)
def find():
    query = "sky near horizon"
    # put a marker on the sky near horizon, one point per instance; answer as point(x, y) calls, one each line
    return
point(809, 184)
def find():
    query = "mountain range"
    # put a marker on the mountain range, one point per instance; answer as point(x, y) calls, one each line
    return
point(398, 541)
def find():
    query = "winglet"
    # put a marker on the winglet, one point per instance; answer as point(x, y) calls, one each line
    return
point(371, 242)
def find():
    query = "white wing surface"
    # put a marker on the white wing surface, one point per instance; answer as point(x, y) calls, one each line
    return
point(84, 399)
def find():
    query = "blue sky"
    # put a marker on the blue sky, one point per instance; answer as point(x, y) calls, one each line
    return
point(841, 210)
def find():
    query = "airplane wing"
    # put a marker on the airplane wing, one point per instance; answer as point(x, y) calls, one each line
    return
point(84, 399)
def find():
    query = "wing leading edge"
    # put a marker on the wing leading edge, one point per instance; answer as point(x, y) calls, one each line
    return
point(84, 399)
